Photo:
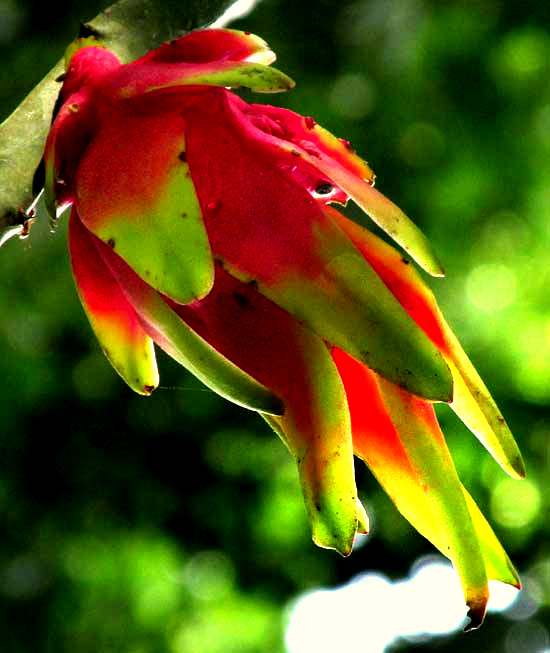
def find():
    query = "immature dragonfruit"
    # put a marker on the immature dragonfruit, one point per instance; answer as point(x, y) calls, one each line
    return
point(203, 224)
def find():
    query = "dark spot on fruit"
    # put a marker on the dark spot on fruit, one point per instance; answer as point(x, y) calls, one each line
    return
point(111, 242)
point(182, 156)
point(242, 300)
point(253, 284)
point(324, 189)
point(318, 507)
point(405, 260)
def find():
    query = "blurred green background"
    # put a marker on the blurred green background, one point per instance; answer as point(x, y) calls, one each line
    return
point(175, 523)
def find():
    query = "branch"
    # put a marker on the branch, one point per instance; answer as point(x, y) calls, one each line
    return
point(129, 28)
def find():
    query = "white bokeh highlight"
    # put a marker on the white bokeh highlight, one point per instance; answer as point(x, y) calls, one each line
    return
point(427, 603)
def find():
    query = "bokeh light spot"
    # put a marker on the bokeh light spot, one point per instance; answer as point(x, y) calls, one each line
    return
point(537, 582)
point(422, 145)
point(24, 577)
point(541, 125)
point(532, 342)
point(515, 504)
point(428, 603)
point(11, 19)
point(326, 620)
point(529, 637)
point(502, 596)
point(521, 58)
point(352, 96)
point(209, 575)
point(491, 287)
